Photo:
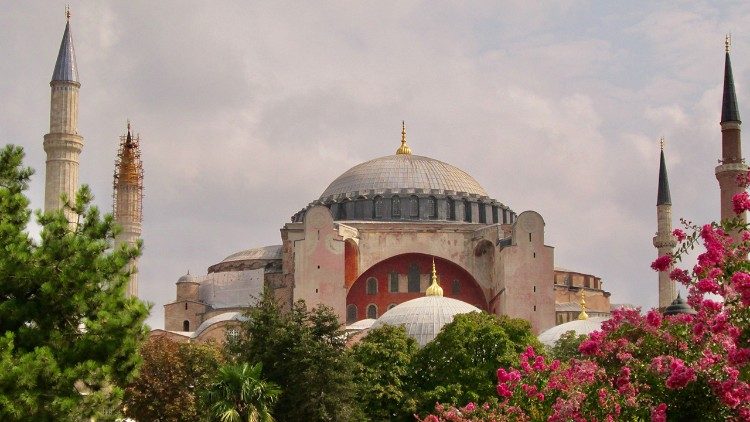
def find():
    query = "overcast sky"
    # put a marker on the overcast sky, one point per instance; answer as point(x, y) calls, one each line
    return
point(248, 111)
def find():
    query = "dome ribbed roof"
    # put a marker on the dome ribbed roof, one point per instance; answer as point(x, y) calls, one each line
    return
point(401, 171)
point(579, 326)
point(424, 317)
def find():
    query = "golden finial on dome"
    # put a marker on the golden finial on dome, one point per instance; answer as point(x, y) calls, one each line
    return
point(403, 149)
point(583, 315)
point(434, 289)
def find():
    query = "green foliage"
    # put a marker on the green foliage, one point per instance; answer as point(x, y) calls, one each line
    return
point(68, 335)
point(460, 365)
point(170, 379)
point(383, 359)
point(240, 394)
point(566, 347)
point(303, 351)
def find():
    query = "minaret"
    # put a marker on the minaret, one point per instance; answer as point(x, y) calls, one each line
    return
point(63, 144)
point(664, 240)
point(731, 164)
point(128, 198)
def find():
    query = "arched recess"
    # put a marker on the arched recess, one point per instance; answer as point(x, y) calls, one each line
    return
point(396, 270)
point(351, 262)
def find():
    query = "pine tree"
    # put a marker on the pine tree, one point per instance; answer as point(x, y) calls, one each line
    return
point(68, 335)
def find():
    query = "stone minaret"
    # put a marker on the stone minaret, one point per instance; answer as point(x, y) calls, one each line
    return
point(664, 241)
point(128, 198)
point(63, 144)
point(731, 164)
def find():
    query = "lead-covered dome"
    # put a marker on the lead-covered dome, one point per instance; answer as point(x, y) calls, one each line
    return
point(424, 317)
point(400, 172)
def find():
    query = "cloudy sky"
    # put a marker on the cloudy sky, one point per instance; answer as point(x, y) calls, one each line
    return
point(248, 111)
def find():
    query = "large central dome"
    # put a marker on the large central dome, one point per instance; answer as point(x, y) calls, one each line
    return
point(402, 171)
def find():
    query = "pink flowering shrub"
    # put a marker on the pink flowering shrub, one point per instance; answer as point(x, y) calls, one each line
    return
point(649, 367)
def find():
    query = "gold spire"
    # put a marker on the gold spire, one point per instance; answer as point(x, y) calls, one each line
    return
point(434, 289)
point(661, 143)
point(727, 42)
point(583, 315)
point(403, 149)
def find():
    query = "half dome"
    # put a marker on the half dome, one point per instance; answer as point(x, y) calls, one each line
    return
point(402, 172)
point(424, 317)
point(579, 326)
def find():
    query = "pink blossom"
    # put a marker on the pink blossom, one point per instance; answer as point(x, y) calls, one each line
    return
point(707, 285)
point(741, 202)
point(679, 234)
point(659, 413)
point(653, 318)
point(680, 375)
point(680, 275)
point(662, 263)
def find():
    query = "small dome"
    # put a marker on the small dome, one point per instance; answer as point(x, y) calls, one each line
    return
point(226, 316)
point(424, 317)
point(187, 278)
point(679, 306)
point(579, 326)
point(264, 252)
point(402, 171)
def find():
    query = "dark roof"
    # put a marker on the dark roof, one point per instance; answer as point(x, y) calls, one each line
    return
point(679, 306)
point(65, 66)
point(663, 197)
point(729, 110)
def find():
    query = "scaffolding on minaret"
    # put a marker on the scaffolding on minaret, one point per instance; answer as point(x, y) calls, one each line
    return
point(128, 173)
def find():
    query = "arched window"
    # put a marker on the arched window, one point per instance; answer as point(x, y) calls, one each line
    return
point(186, 325)
point(414, 207)
point(456, 287)
point(432, 207)
point(186, 306)
point(396, 207)
point(451, 209)
point(377, 210)
point(394, 282)
point(413, 278)
point(351, 313)
point(482, 213)
point(341, 214)
point(372, 311)
point(372, 286)
point(391, 306)
point(467, 211)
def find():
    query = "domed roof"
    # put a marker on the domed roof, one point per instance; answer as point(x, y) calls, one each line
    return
point(424, 317)
point(226, 316)
point(187, 278)
point(679, 306)
point(264, 252)
point(402, 171)
point(579, 326)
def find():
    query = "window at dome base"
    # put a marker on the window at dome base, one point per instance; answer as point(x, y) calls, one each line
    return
point(451, 209)
point(414, 207)
point(467, 211)
point(378, 207)
point(432, 207)
point(396, 207)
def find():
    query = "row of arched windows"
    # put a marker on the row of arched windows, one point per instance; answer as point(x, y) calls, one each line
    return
point(371, 312)
point(412, 210)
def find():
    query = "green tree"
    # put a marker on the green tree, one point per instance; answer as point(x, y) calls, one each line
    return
point(68, 335)
point(303, 351)
point(460, 364)
point(239, 394)
point(383, 359)
point(170, 380)
point(566, 347)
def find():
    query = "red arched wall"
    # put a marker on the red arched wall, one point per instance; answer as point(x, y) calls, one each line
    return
point(351, 262)
point(469, 290)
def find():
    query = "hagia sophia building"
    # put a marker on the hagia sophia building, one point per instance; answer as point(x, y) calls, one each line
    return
point(380, 235)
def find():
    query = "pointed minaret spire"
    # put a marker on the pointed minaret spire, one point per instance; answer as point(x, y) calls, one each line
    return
point(664, 241)
point(65, 66)
point(729, 110)
point(731, 165)
point(663, 197)
point(62, 143)
point(128, 198)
